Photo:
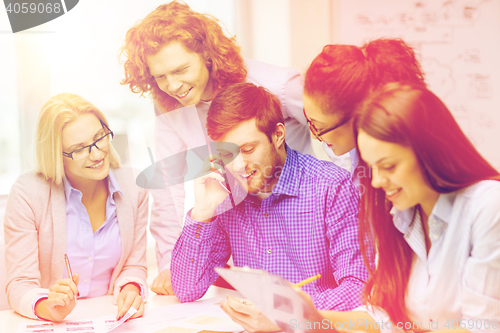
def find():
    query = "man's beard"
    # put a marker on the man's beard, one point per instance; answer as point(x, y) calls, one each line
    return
point(270, 172)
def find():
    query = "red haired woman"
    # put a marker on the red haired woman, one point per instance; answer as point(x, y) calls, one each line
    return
point(340, 78)
point(431, 211)
point(183, 59)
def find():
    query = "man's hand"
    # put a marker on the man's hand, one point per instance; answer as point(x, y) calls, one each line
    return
point(129, 296)
point(209, 189)
point(247, 315)
point(61, 300)
point(162, 284)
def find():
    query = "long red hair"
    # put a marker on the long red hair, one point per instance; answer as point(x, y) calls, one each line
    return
point(199, 33)
point(413, 116)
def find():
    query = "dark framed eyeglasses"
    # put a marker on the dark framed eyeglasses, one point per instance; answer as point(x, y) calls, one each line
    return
point(317, 133)
point(100, 143)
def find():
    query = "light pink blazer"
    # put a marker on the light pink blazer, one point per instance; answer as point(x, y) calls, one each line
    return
point(35, 237)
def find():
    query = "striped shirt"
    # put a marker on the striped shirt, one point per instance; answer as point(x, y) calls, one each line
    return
point(456, 283)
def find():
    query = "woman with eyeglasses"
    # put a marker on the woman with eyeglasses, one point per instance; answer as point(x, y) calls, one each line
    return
point(79, 202)
point(340, 78)
point(431, 211)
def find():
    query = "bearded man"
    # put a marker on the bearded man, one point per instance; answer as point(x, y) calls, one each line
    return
point(295, 216)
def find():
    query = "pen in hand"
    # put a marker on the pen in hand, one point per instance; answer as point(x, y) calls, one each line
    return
point(70, 274)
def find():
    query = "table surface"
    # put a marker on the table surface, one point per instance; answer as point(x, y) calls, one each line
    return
point(103, 306)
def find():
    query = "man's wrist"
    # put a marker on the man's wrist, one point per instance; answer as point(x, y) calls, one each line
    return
point(203, 215)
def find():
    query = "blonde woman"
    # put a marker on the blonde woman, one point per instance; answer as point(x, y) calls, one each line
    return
point(79, 202)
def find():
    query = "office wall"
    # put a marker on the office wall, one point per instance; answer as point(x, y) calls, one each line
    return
point(458, 45)
point(263, 30)
point(284, 32)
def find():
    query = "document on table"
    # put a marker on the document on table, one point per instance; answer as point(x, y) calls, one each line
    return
point(97, 325)
point(202, 316)
point(275, 297)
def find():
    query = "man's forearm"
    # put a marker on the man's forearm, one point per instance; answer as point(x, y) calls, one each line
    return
point(347, 296)
point(199, 249)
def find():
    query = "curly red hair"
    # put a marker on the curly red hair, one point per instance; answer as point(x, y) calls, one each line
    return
point(199, 33)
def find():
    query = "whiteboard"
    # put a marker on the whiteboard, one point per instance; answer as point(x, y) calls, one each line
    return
point(458, 45)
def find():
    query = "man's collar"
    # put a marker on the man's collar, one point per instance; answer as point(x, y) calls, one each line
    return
point(288, 182)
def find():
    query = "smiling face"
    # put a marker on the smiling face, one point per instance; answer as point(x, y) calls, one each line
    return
point(341, 140)
point(180, 73)
point(258, 164)
point(81, 132)
point(397, 171)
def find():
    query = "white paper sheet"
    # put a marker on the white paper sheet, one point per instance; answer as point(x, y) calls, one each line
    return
point(97, 325)
point(191, 317)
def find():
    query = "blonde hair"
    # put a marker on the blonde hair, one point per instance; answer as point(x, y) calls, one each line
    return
point(55, 114)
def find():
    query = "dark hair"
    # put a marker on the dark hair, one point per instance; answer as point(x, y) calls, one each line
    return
point(413, 116)
point(241, 102)
point(199, 33)
point(342, 76)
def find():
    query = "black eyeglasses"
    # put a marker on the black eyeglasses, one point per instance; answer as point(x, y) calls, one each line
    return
point(317, 133)
point(100, 143)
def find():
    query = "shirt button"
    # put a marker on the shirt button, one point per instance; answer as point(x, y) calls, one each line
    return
point(266, 214)
point(197, 236)
point(199, 226)
point(90, 258)
point(85, 280)
point(192, 260)
point(269, 251)
point(434, 236)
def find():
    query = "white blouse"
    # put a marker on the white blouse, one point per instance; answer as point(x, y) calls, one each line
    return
point(458, 283)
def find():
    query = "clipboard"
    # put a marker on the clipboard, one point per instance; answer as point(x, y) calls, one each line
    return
point(276, 299)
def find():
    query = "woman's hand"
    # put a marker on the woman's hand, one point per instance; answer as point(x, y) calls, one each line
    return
point(61, 300)
point(130, 295)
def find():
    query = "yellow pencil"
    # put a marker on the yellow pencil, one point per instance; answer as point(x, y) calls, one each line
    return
point(308, 280)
